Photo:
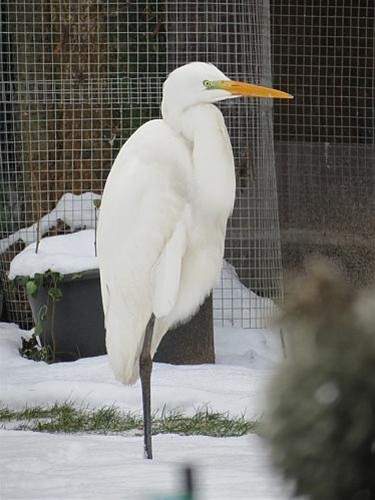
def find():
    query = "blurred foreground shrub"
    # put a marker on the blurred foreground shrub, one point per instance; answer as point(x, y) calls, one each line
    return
point(321, 403)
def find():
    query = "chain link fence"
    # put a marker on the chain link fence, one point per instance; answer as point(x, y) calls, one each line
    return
point(79, 76)
point(323, 53)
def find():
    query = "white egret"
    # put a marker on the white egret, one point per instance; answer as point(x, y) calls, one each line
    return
point(163, 219)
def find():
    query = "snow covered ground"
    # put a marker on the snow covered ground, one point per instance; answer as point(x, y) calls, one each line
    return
point(91, 466)
point(110, 467)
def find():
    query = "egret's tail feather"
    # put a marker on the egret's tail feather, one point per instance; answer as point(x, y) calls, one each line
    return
point(124, 340)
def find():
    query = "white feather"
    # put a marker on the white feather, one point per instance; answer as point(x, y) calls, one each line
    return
point(163, 218)
point(143, 202)
point(167, 273)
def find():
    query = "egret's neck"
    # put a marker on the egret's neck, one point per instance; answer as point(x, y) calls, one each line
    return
point(171, 112)
point(203, 127)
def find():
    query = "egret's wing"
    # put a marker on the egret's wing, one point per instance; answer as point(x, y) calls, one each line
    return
point(141, 240)
point(167, 272)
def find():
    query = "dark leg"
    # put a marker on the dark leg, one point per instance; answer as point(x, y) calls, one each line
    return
point(283, 344)
point(145, 368)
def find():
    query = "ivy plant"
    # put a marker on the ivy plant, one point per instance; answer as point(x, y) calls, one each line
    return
point(50, 281)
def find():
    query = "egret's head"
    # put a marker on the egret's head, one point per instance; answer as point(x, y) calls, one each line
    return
point(199, 82)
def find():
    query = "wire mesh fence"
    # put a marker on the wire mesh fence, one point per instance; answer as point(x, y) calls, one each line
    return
point(323, 53)
point(79, 76)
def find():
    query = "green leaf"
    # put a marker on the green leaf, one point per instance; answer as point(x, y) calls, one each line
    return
point(76, 276)
point(38, 278)
point(55, 293)
point(31, 288)
point(38, 330)
point(97, 203)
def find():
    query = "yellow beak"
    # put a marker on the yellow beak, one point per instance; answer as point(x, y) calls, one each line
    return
point(247, 89)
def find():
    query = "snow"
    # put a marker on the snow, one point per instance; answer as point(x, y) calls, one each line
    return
point(66, 253)
point(111, 467)
point(233, 385)
point(77, 211)
point(235, 305)
point(91, 466)
point(48, 466)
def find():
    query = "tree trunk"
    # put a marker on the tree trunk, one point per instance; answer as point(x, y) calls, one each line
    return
point(191, 343)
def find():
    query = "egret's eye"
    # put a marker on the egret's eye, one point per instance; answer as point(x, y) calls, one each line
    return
point(206, 83)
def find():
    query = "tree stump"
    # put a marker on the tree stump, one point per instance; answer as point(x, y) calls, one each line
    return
point(191, 343)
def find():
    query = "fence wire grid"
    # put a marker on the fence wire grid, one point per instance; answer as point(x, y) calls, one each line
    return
point(79, 76)
point(323, 53)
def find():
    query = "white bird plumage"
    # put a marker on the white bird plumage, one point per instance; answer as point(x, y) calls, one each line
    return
point(162, 220)
point(164, 213)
